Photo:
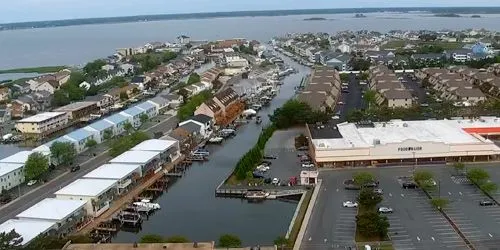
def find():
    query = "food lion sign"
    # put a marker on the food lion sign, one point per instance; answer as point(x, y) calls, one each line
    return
point(406, 149)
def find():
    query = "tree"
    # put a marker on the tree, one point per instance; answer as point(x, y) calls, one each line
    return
point(423, 178)
point(90, 143)
point(144, 118)
point(488, 187)
point(371, 224)
point(294, 113)
point(10, 240)
point(36, 165)
point(193, 78)
point(440, 203)
point(60, 98)
point(123, 96)
point(94, 69)
point(177, 239)
point(360, 64)
point(108, 134)
point(459, 167)
point(63, 152)
point(151, 238)
point(362, 178)
point(477, 175)
point(128, 127)
point(370, 97)
point(281, 242)
point(124, 143)
point(229, 240)
point(368, 198)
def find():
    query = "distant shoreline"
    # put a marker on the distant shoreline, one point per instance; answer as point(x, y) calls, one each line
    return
point(266, 13)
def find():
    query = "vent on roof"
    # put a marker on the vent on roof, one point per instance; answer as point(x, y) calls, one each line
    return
point(376, 141)
point(405, 124)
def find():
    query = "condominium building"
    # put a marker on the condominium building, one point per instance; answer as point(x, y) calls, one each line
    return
point(42, 123)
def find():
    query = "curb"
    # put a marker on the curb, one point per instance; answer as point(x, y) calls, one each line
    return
point(290, 227)
point(307, 216)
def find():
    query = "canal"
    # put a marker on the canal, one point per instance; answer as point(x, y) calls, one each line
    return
point(190, 208)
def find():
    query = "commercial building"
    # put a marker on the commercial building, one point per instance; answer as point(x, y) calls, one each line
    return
point(43, 123)
point(123, 174)
point(97, 194)
point(149, 161)
point(67, 215)
point(400, 142)
point(28, 229)
point(80, 111)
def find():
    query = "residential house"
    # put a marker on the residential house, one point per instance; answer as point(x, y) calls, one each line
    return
point(134, 115)
point(81, 137)
point(4, 93)
point(43, 98)
point(104, 102)
point(206, 123)
point(427, 58)
point(194, 129)
point(186, 140)
point(102, 130)
point(118, 121)
point(398, 98)
point(149, 108)
point(138, 80)
point(108, 67)
point(344, 48)
point(22, 87)
point(43, 123)
point(183, 39)
point(318, 101)
point(459, 55)
point(128, 90)
point(4, 115)
point(80, 111)
point(234, 60)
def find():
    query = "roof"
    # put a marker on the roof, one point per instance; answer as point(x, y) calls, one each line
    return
point(146, 106)
point(86, 187)
point(28, 229)
point(469, 92)
point(6, 168)
point(42, 117)
point(179, 133)
point(135, 157)
point(191, 127)
point(227, 96)
point(101, 125)
point(75, 106)
point(112, 171)
point(80, 134)
point(20, 157)
point(52, 209)
point(154, 145)
point(147, 246)
point(201, 118)
point(315, 100)
point(212, 105)
point(397, 94)
point(133, 111)
point(137, 79)
point(116, 118)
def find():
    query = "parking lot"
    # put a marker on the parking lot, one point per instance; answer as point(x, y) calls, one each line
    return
point(353, 99)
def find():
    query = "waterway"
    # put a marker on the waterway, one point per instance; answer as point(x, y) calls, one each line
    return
point(190, 208)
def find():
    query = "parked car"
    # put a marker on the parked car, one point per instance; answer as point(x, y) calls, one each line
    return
point(268, 163)
point(303, 148)
point(409, 185)
point(270, 157)
point(307, 165)
point(349, 204)
point(32, 182)
point(486, 203)
point(378, 191)
point(275, 181)
point(385, 210)
point(335, 117)
point(75, 168)
point(340, 103)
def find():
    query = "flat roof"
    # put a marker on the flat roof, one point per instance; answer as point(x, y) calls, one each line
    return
point(135, 157)
point(112, 171)
point(101, 125)
point(116, 118)
point(154, 145)
point(397, 131)
point(75, 106)
point(6, 168)
point(42, 117)
point(19, 158)
point(52, 209)
point(133, 111)
point(86, 187)
point(145, 105)
point(28, 229)
point(80, 134)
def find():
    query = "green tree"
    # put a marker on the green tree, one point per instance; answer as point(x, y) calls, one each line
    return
point(124, 143)
point(36, 165)
point(370, 97)
point(144, 118)
point(193, 78)
point(229, 240)
point(108, 134)
point(371, 224)
point(128, 127)
point(177, 239)
point(477, 175)
point(363, 178)
point(90, 143)
point(187, 109)
point(281, 242)
point(75, 78)
point(344, 77)
point(94, 69)
point(440, 203)
point(60, 98)
point(296, 113)
point(63, 152)
point(424, 179)
point(152, 238)
point(459, 167)
point(10, 240)
point(368, 198)
point(489, 187)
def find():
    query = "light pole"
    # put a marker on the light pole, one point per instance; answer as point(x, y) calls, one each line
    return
point(414, 161)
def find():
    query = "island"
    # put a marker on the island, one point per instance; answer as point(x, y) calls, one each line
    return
point(475, 16)
point(315, 19)
point(358, 15)
point(447, 15)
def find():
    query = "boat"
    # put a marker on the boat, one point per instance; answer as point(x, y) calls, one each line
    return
point(258, 120)
point(256, 195)
point(146, 205)
point(216, 140)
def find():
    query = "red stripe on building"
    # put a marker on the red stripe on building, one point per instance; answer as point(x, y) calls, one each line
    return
point(483, 130)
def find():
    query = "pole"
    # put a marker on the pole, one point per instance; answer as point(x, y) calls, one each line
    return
point(439, 188)
point(19, 190)
point(414, 162)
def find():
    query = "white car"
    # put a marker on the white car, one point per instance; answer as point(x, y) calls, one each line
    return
point(32, 182)
point(263, 168)
point(275, 181)
point(307, 165)
point(385, 210)
point(378, 191)
point(335, 117)
point(340, 103)
point(349, 204)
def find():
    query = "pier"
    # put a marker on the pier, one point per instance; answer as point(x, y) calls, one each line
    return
point(275, 192)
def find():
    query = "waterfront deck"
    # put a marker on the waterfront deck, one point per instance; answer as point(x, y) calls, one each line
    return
point(274, 191)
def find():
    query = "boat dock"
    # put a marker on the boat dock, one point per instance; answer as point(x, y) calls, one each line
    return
point(275, 192)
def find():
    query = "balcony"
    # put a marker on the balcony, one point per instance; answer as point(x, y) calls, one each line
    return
point(124, 184)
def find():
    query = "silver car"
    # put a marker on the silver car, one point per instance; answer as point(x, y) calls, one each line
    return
point(385, 210)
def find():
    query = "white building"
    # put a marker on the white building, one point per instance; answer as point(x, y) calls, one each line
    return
point(67, 214)
point(11, 175)
point(149, 161)
point(28, 229)
point(97, 194)
point(405, 142)
point(169, 149)
point(123, 174)
point(309, 177)
point(233, 60)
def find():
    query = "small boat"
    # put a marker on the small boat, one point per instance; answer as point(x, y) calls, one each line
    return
point(147, 204)
point(216, 140)
point(256, 195)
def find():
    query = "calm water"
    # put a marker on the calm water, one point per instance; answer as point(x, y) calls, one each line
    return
point(80, 44)
point(190, 207)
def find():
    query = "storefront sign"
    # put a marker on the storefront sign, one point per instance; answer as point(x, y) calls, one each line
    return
point(405, 149)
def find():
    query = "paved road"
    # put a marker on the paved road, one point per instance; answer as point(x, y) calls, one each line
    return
point(414, 86)
point(17, 206)
point(353, 99)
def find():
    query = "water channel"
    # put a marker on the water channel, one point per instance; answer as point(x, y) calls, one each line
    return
point(190, 208)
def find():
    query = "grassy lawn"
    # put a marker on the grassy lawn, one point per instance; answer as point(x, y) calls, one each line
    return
point(40, 70)
point(394, 44)
point(300, 217)
point(445, 45)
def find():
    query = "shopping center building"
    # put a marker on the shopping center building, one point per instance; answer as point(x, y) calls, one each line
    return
point(400, 142)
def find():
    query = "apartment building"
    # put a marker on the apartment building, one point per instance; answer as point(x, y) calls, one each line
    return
point(42, 123)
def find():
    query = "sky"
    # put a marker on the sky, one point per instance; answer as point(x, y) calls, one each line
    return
point(39, 10)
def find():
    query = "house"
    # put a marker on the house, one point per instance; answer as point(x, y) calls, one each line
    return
point(160, 102)
point(4, 115)
point(22, 87)
point(62, 76)
point(80, 111)
point(183, 136)
point(43, 99)
point(68, 215)
point(124, 174)
point(28, 229)
point(344, 48)
point(431, 57)
point(183, 39)
point(129, 91)
point(318, 101)
point(138, 80)
point(174, 100)
point(235, 61)
point(102, 130)
point(96, 193)
point(469, 96)
point(81, 137)
point(4, 94)
point(134, 115)
point(224, 107)
point(206, 123)
point(11, 175)
point(150, 161)
point(127, 68)
point(169, 150)
point(149, 108)
point(398, 98)
point(118, 121)
point(43, 123)
point(104, 102)
point(459, 55)
point(194, 129)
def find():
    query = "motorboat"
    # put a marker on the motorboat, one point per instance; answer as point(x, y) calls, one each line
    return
point(256, 195)
point(146, 205)
point(216, 140)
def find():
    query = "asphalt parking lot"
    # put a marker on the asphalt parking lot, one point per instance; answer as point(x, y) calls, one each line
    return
point(353, 99)
point(414, 86)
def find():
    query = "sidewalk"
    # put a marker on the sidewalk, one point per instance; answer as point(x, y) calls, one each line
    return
point(305, 221)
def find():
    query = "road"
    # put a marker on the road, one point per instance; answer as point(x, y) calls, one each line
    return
point(352, 100)
point(15, 207)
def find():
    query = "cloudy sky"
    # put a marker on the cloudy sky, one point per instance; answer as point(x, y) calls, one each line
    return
point(36, 10)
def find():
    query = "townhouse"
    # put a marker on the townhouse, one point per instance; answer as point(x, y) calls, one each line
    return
point(223, 108)
point(322, 90)
point(80, 111)
point(389, 90)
